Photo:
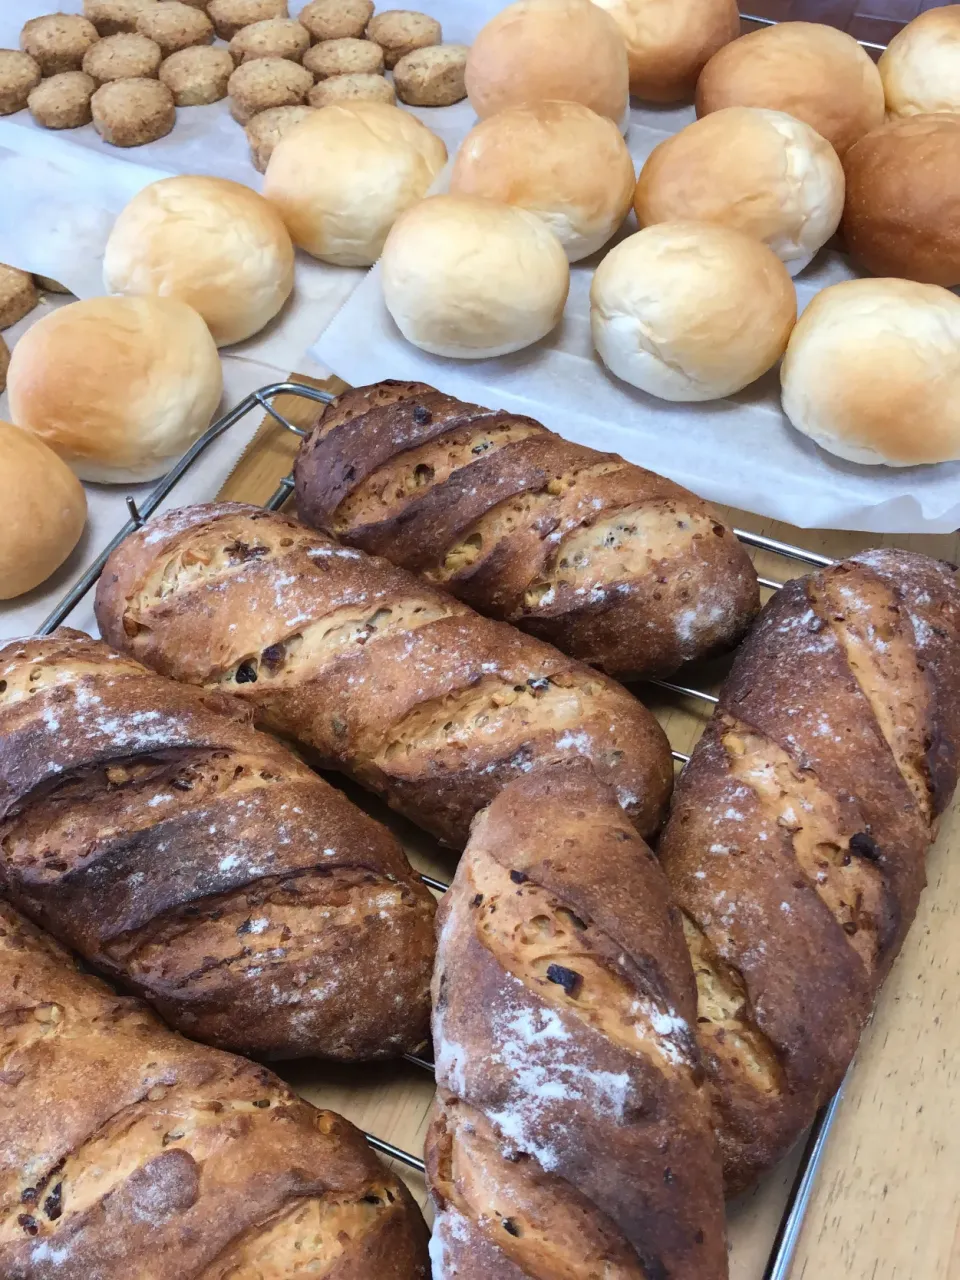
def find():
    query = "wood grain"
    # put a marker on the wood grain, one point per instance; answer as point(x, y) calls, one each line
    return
point(887, 1203)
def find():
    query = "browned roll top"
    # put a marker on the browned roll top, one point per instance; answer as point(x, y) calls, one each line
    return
point(611, 563)
point(799, 830)
point(199, 862)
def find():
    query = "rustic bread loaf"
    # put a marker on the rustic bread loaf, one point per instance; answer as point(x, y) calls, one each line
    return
point(384, 676)
point(129, 1152)
point(611, 563)
point(201, 864)
point(572, 1134)
point(796, 844)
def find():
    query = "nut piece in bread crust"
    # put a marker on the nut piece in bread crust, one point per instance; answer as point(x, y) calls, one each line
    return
point(351, 88)
point(230, 16)
point(174, 25)
point(432, 77)
point(271, 38)
point(4, 364)
point(58, 41)
point(197, 76)
point(130, 113)
point(266, 82)
point(128, 56)
point(400, 31)
point(19, 73)
point(345, 57)
point(63, 101)
point(336, 19)
point(18, 295)
point(110, 17)
point(266, 129)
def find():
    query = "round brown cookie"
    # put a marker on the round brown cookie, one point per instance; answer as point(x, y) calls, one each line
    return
point(432, 77)
point(58, 41)
point(174, 25)
point(111, 17)
point(63, 101)
point(18, 295)
point(129, 113)
point(271, 38)
point(336, 19)
point(19, 73)
point(4, 364)
point(352, 88)
point(345, 57)
point(400, 31)
point(51, 286)
point(230, 16)
point(264, 83)
point(265, 130)
point(197, 76)
point(127, 56)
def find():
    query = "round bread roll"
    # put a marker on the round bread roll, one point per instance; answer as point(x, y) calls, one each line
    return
point(345, 57)
point(214, 244)
point(559, 160)
point(119, 387)
point(197, 76)
point(872, 372)
point(19, 74)
point(63, 101)
point(762, 172)
point(690, 310)
point(920, 67)
point(811, 71)
point(122, 57)
point(351, 88)
point(903, 194)
point(471, 278)
point(343, 177)
point(549, 50)
point(669, 42)
point(266, 129)
point(44, 510)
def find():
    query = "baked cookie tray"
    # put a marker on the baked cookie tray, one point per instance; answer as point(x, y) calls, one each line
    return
point(871, 1140)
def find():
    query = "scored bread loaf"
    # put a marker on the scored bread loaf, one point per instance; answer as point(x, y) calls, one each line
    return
point(796, 844)
point(385, 677)
point(129, 1152)
point(571, 1135)
point(611, 563)
point(200, 863)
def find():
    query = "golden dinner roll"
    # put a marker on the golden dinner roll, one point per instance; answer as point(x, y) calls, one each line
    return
point(872, 372)
point(903, 194)
point(920, 67)
point(759, 171)
point(670, 41)
point(691, 311)
point(214, 244)
point(118, 387)
point(467, 277)
point(43, 509)
point(342, 177)
point(553, 50)
point(559, 160)
point(811, 71)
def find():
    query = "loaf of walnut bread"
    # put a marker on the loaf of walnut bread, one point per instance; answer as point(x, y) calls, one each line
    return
point(385, 677)
point(797, 840)
point(571, 1136)
point(201, 864)
point(128, 1153)
point(611, 563)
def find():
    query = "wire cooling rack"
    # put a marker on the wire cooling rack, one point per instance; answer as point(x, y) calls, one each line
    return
point(778, 1265)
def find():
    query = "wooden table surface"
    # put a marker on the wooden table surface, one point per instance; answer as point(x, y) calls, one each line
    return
point(887, 1202)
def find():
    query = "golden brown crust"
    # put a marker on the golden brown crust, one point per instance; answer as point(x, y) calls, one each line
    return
point(796, 843)
point(572, 1126)
point(385, 677)
point(613, 564)
point(201, 864)
point(129, 1151)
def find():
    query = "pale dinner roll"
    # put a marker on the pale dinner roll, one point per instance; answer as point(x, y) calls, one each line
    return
point(342, 177)
point(119, 387)
point(469, 278)
point(903, 196)
point(691, 311)
point(549, 50)
point(811, 71)
point(670, 41)
point(561, 161)
point(43, 509)
point(872, 372)
point(920, 67)
point(214, 244)
point(762, 172)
